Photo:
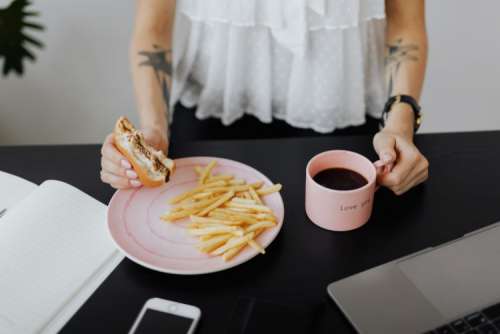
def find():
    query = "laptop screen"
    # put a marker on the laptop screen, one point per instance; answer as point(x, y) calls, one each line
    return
point(461, 276)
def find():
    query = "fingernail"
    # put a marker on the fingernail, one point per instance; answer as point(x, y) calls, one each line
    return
point(131, 174)
point(135, 183)
point(379, 163)
point(125, 164)
point(386, 157)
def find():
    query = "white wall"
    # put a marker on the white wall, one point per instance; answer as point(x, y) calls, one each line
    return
point(462, 88)
point(81, 83)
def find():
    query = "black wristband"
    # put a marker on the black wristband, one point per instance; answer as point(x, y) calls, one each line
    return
point(403, 99)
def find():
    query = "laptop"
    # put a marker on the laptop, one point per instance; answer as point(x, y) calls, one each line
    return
point(452, 288)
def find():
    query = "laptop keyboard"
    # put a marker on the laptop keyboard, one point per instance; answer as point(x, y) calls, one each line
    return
point(486, 321)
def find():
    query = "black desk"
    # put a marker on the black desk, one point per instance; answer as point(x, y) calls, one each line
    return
point(462, 194)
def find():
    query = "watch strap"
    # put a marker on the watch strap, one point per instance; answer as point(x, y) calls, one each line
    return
point(403, 99)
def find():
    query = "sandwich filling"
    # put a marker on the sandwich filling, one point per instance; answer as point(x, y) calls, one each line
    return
point(155, 162)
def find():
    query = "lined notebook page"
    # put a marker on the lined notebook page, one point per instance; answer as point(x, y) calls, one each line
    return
point(51, 244)
point(13, 189)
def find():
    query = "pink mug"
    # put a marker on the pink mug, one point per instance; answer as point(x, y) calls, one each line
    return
point(340, 210)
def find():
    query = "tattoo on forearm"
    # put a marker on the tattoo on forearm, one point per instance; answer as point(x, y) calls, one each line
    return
point(397, 54)
point(159, 60)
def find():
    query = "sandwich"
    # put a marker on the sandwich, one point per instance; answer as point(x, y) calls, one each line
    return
point(152, 166)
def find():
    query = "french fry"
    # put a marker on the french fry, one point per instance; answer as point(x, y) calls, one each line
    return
point(254, 244)
point(253, 207)
point(225, 188)
point(223, 199)
point(264, 216)
point(237, 182)
point(229, 254)
point(222, 216)
point(216, 183)
point(257, 185)
point(262, 224)
point(245, 213)
point(233, 242)
point(188, 194)
point(258, 232)
point(198, 170)
point(202, 195)
point(204, 225)
point(217, 214)
point(200, 204)
point(239, 210)
point(207, 237)
point(172, 216)
point(200, 225)
point(205, 220)
point(232, 215)
point(204, 175)
point(219, 210)
point(232, 210)
point(235, 220)
point(223, 177)
point(213, 243)
point(269, 190)
point(184, 196)
point(216, 230)
point(243, 200)
point(254, 195)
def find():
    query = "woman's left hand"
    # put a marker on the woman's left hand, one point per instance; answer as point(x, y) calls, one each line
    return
point(405, 167)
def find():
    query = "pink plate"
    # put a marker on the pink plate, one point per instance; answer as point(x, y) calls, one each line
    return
point(135, 225)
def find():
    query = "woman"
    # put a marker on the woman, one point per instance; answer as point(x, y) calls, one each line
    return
point(306, 66)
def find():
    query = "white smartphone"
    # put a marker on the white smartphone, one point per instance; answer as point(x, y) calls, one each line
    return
point(165, 316)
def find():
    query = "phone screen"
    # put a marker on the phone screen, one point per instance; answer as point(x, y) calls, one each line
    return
point(160, 322)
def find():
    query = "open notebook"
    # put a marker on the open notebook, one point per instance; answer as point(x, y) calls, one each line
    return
point(54, 252)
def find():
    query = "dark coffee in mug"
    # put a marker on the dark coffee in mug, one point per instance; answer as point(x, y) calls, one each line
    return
point(340, 179)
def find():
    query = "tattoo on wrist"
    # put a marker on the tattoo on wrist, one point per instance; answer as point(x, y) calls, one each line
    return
point(159, 60)
point(397, 53)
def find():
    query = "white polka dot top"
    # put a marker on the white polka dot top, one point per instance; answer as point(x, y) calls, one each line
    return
point(313, 63)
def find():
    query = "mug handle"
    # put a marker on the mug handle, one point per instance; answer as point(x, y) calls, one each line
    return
point(380, 170)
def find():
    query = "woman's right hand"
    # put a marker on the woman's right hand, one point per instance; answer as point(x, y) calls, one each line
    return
point(116, 170)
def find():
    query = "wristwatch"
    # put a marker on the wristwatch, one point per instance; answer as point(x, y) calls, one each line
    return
point(402, 99)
